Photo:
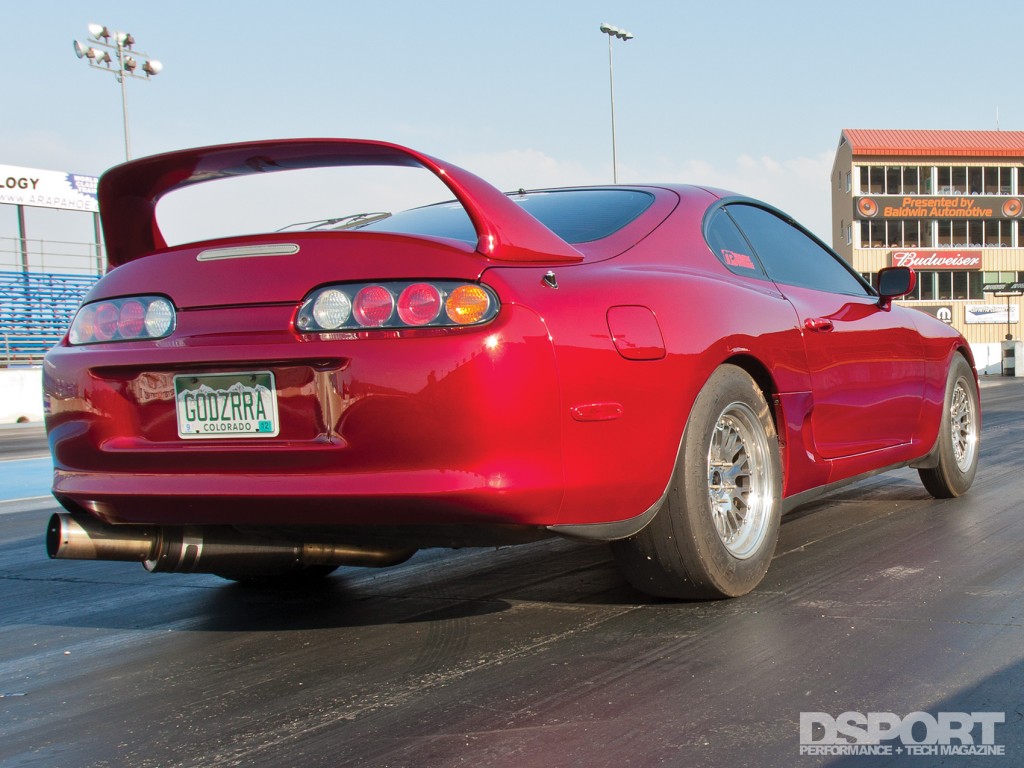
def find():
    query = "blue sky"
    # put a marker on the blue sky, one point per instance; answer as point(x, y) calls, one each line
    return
point(746, 95)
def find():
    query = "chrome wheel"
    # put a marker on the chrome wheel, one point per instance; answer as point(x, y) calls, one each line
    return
point(954, 459)
point(740, 481)
point(964, 425)
point(714, 534)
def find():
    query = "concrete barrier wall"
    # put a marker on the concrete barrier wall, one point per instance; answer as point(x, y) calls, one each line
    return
point(21, 395)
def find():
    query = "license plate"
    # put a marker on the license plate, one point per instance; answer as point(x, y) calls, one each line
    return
point(216, 405)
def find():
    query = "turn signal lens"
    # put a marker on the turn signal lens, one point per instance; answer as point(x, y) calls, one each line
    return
point(130, 319)
point(467, 304)
point(420, 304)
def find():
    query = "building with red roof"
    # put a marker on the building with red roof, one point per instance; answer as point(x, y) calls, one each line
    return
point(951, 205)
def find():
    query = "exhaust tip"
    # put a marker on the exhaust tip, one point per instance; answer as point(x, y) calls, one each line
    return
point(55, 536)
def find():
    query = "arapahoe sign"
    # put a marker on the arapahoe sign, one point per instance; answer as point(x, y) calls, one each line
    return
point(48, 189)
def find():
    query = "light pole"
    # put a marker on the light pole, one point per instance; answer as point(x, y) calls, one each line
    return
point(97, 52)
point(623, 35)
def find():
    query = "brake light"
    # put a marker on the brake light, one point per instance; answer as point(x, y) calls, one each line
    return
point(129, 319)
point(420, 304)
point(373, 306)
point(106, 321)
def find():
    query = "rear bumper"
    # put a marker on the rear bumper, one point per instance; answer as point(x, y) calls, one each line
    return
point(412, 428)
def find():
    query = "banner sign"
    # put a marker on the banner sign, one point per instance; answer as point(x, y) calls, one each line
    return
point(958, 207)
point(978, 314)
point(927, 259)
point(48, 189)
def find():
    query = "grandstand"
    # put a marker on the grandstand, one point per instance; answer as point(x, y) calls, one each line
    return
point(42, 283)
point(35, 311)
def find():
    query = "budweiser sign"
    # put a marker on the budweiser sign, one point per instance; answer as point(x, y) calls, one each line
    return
point(937, 259)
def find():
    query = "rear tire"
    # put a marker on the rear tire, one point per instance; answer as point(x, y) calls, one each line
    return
point(959, 435)
point(715, 533)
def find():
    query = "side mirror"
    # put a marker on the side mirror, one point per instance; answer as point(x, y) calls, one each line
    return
point(894, 282)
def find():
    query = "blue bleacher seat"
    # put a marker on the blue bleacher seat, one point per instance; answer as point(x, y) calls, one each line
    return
point(35, 310)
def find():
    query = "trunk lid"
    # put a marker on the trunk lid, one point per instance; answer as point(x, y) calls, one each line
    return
point(283, 268)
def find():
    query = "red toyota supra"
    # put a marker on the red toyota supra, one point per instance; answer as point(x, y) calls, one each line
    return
point(668, 368)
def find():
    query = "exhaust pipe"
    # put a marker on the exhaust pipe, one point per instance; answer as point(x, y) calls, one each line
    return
point(193, 549)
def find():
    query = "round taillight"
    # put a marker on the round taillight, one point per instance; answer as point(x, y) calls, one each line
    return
point(373, 306)
point(131, 320)
point(467, 304)
point(106, 321)
point(159, 318)
point(332, 309)
point(419, 304)
point(83, 329)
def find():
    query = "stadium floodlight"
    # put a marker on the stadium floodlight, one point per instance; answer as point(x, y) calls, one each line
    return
point(104, 47)
point(623, 35)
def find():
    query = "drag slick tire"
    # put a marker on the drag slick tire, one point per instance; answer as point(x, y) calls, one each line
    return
point(959, 434)
point(715, 533)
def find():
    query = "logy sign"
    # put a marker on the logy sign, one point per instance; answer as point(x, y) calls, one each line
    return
point(48, 189)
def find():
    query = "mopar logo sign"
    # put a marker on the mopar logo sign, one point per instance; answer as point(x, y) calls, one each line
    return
point(943, 313)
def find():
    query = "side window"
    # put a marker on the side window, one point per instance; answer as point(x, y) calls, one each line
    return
point(791, 257)
point(731, 248)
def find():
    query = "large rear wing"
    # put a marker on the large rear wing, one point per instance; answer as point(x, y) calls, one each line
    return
point(129, 193)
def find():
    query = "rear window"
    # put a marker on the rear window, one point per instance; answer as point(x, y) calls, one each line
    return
point(576, 215)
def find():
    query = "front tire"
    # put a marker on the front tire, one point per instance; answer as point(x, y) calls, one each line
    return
point(959, 435)
point(715, 533)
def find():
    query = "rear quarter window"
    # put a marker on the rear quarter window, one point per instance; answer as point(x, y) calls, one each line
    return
point(732, 249)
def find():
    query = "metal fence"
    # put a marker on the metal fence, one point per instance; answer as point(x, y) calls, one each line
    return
point(35, 311)
point(42, 283)
point(57, 256)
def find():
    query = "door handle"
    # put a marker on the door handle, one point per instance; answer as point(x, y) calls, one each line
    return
point(818, 324)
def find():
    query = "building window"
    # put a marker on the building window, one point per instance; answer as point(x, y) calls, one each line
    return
point(1003, 277)
point(979, 233)
point(951, 286)
point(948, 286)
point(896, 233)
point(872, 180)
point(952, 180)
point(894, 180)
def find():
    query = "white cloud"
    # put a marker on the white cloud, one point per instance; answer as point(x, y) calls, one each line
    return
point(799, 185)
point(526, 169)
